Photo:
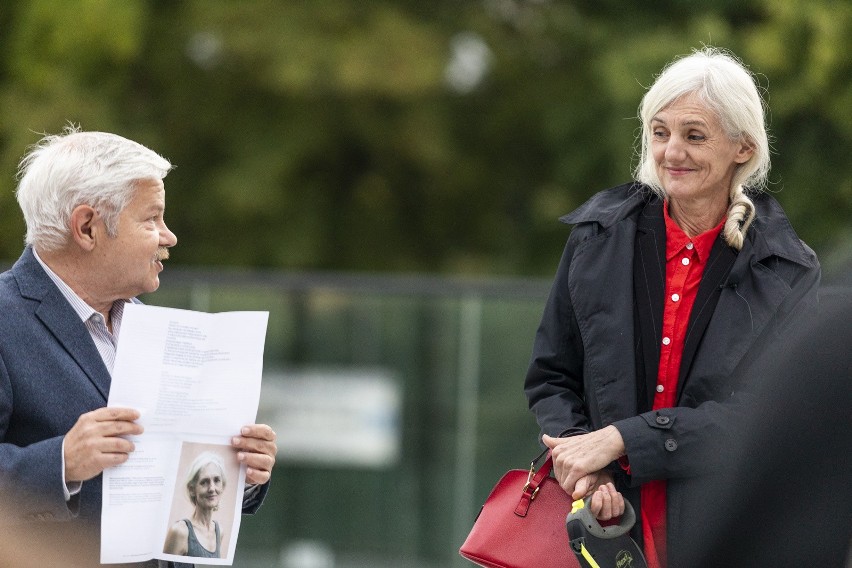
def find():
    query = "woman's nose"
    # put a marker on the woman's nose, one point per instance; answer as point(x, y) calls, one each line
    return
point(675, 149)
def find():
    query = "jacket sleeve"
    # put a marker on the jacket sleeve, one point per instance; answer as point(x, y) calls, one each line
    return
point(687, 441)
point(31, 487)
point(554, 381)
point(253, 498)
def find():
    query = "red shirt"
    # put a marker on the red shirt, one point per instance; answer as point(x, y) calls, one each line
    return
point(685, 262)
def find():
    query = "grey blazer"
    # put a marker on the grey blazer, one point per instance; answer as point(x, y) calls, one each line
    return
point(50, 374)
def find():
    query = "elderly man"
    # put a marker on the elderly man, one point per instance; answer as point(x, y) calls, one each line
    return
point(93, 204)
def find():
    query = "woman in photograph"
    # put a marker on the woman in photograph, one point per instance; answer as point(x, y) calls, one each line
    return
point(200, 536)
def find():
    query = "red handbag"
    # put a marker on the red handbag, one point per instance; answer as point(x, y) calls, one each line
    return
point(522, 523)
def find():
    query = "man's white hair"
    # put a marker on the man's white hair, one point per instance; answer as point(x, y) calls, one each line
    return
point(64, 171)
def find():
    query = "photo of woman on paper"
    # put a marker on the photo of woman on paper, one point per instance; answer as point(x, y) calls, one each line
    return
point(200, 535)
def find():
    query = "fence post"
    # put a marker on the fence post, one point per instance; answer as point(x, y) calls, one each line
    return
point(470, 338)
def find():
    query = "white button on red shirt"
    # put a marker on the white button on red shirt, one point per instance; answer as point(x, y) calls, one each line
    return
point(685, 261)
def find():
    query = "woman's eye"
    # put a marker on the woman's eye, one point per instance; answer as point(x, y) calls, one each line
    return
point(696, 137)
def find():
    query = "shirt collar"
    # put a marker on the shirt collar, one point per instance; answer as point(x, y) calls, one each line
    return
point(676, 239)
point(83, 310)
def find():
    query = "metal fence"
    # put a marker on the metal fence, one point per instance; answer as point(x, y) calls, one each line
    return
point(398, 401)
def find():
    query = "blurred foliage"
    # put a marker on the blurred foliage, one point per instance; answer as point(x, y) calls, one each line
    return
point(335, 134)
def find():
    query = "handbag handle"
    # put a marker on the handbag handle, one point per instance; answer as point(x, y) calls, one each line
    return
point(533, 484)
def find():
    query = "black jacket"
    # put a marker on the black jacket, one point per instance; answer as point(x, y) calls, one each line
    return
point(596, 352)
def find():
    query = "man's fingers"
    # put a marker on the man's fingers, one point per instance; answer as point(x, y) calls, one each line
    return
point(258, 466)
point(107, 414)
point(259, 431)
point(257, 477)
point(95, 442)
point(262, 462)
point(109, 422)
point(257, 445)
point(254, 445)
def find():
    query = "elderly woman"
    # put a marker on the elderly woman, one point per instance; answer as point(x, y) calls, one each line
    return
point(664, 287)
point(200, 536)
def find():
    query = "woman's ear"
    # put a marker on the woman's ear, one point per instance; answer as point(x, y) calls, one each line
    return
point(86, 224)
point(745, 151)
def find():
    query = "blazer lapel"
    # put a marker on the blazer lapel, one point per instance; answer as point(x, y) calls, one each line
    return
point(58, 316)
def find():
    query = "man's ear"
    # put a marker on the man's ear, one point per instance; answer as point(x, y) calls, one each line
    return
point(86, 226)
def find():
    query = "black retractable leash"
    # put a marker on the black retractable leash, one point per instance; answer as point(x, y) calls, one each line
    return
point(603, 547)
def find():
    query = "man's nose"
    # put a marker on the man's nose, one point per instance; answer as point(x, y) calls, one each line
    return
point(167, 237)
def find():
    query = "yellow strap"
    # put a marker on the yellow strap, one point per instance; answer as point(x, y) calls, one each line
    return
point(576, 506)
point(588, 556)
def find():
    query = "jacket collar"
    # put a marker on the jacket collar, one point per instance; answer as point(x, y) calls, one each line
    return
point(56, 314)
point(610, 206)
point(32, 279)
point(771, 234)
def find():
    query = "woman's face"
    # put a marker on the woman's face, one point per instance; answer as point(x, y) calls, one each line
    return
point(208, 488)
point(695, 159)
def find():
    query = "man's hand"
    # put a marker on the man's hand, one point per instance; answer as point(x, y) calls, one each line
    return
point(256, 445)
point(578, 460)
point(94, 443)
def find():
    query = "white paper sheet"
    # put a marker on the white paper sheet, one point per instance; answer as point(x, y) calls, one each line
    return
point(195, 378)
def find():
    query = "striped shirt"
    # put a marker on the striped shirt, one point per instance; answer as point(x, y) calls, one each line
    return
point(105, 341)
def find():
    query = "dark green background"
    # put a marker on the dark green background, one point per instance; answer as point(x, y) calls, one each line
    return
point(319, 139)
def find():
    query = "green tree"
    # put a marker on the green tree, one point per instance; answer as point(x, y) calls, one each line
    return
point(327, 135)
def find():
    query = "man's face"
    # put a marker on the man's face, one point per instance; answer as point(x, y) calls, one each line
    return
point(132, 260)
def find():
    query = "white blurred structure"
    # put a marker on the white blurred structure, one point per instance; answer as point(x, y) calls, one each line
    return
point(470, 61)
point(334, 417)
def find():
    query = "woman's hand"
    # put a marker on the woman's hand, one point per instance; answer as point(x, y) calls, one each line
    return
point(606, 503)
point(256, 445)
point(578, 460)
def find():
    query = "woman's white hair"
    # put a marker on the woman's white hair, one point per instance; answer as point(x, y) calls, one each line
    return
point(74, 168)
point(204, 459)
point(722, 82)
